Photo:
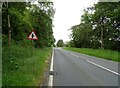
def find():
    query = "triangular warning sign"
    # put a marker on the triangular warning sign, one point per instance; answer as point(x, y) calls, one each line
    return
point(32, 36)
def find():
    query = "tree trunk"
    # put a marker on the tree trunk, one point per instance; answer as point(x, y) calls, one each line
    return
point(102, 27)
point(101, 38)
point(9, 30)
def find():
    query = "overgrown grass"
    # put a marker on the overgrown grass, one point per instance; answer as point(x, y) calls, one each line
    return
point(0, 61)
point(106, 54)
point(23, 66)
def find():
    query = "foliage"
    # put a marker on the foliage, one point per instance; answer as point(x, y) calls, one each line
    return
point(19, 60)
point(60, 43)
point(69, 44)
point(99, 27)
point(23, 63)
point(25, 17)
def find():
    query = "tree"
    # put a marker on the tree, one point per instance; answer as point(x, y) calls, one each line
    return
point(12, 11)
point(106, 16)
point(69, 43)
point(23, 18)
point(81, 33)
point(99, 27)
point(60, 43)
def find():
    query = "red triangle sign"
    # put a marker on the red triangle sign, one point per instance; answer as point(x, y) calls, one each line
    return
point(32, 36)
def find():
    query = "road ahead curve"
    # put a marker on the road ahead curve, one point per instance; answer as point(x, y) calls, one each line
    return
point(75, 69)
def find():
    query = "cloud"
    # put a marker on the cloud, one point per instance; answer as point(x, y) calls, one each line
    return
point(68, 13)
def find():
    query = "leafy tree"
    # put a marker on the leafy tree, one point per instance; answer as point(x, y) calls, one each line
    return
point(81, 33)
point(99, 27)
point(60, 43)
point(69, 44)
point(105, 18)
point(25, 17)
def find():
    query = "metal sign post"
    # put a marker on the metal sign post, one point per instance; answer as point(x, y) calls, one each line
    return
point(32, 36)
point(33, 45)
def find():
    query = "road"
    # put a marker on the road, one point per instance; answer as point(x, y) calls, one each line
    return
point(75, 69)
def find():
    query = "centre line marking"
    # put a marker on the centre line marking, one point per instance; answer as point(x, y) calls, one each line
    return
point(103, 67)
point(74, 55)
point(50, 83)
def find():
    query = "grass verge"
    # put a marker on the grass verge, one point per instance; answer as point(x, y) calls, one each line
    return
point(22, 66)
point(0, 62)
point(106, 54)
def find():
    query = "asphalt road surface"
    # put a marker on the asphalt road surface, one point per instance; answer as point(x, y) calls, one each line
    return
point(75, 69)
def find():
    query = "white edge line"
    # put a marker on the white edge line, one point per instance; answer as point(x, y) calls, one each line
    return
point(103, 67)
point(50, 82)
point(51, 66)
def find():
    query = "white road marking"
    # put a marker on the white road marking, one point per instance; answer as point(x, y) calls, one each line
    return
point(50, 83)
point(51, 66)
point(103, 67)
point(74, 55)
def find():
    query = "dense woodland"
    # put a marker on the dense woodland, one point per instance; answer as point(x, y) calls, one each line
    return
point(20, 18)
point(99, 27)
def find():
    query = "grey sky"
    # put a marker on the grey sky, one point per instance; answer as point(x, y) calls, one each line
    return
point(68, 13)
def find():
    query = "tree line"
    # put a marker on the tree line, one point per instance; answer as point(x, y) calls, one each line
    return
point(20, 18)
point(99, 27)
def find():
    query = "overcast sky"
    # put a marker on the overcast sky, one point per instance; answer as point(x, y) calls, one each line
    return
point(67, 14)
